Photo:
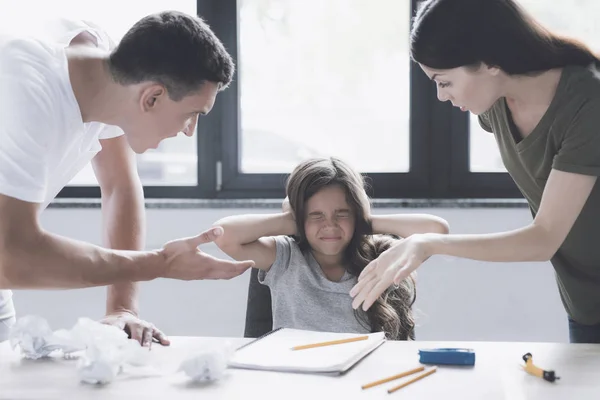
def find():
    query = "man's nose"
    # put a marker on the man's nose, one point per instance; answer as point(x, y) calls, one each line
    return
point(191, 127)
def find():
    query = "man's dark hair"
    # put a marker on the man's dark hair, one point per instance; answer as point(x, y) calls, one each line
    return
point(174, 49)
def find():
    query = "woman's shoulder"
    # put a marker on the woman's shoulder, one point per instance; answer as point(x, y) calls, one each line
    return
point(578, 97)
point(582, 83)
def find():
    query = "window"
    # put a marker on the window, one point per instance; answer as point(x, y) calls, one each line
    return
point(317, 78)
point(321, 78)
point(484, 155)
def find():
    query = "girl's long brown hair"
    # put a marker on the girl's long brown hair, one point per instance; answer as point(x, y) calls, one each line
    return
point(392, 312)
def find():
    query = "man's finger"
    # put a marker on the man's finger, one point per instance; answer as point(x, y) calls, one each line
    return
point(161, 337)
point(147, 337)
point(225, 269)
point(206, 237)
point(137, 332)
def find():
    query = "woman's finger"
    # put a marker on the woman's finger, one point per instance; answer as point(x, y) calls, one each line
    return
point(368, 269)
point(375, 291)
point(365, 290)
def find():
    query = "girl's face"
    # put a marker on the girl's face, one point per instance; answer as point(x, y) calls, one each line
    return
point(470, 90)
point(329, 221)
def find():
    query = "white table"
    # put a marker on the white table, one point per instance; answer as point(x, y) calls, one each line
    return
point(497, 374)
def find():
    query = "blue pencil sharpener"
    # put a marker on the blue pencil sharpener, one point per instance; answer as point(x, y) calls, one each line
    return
point(447, 356)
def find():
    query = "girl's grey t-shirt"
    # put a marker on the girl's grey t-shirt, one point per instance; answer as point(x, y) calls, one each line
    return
point(302, 296)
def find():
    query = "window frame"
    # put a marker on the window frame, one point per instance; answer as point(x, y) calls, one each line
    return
point(435, 128)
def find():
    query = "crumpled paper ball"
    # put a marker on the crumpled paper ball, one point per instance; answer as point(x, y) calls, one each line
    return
point(208, 365)
point(105, 349)
point(36, 340)
point(108, 351)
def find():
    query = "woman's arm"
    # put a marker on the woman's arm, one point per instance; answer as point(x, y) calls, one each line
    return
point(249, 237)
point(405, 225)
point(563, 199)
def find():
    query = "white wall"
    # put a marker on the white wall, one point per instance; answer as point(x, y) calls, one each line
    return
point(457, 299)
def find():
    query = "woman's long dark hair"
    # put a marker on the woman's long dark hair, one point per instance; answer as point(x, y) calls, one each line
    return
point(392, 312)
point(448, 34)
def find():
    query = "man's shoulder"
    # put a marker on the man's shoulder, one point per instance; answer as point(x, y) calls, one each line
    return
point(21, 55)
point(29, 81)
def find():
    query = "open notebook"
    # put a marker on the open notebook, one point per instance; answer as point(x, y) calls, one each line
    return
point(273, 352)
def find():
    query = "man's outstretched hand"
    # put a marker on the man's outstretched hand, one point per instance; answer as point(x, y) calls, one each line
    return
point(186, 262)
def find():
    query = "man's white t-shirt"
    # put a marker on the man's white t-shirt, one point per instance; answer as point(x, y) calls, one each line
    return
point(43, 140)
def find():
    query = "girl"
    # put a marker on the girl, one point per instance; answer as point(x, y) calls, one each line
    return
point(311, 254)
point(539, 94)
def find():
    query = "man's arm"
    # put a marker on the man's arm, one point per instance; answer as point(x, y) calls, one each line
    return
point(123, 217)
point(31, 258)
point(123, 229)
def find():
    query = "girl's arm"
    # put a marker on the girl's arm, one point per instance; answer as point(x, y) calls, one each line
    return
point(249, 237)
point(405, 225)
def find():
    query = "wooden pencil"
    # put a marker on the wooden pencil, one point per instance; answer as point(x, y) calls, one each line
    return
point(416, 378)
point(394, 377)
point(330, 343)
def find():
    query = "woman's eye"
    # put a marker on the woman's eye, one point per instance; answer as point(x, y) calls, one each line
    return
point(443, 84)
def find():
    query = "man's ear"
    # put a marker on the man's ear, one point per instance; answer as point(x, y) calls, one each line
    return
point(151, 97)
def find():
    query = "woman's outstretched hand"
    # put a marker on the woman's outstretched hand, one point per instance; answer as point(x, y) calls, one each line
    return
point(390, 268)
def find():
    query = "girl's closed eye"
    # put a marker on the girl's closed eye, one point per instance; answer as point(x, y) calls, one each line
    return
point(443, 84)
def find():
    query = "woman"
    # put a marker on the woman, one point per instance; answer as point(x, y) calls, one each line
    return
point(539, 94)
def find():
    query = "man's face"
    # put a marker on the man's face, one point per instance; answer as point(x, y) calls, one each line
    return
point(157, 117)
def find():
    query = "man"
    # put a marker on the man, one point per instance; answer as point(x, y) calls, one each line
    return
point(69, 97)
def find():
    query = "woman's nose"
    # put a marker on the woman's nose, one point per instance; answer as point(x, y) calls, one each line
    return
point(442, 95)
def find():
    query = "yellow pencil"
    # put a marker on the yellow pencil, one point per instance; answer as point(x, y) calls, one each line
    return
point(394, 377)
point(330, 343)
point(416, 378)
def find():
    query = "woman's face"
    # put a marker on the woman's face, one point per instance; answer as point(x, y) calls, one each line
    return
point(470, 90)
